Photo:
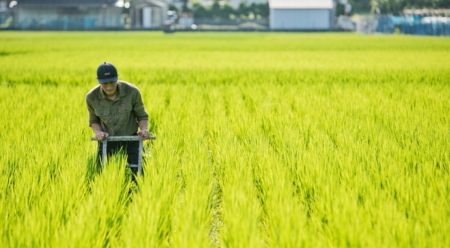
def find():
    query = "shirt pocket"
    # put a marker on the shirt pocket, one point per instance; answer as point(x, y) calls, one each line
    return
point(102, 112)
point(104, 115)
point(126, 108)
point(123, 113)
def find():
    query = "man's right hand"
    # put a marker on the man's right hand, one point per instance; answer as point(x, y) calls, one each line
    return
point(101, 136)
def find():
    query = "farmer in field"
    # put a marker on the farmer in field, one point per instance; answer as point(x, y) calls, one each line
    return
point(116, 109)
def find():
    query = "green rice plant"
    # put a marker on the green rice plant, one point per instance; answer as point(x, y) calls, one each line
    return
point(263, 140)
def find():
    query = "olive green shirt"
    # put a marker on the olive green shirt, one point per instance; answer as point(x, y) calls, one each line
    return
point(118, 117)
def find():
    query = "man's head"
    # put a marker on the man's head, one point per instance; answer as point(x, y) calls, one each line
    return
point(107, 77)
point(106, 73)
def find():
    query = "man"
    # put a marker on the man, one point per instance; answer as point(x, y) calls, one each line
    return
point(116, 108)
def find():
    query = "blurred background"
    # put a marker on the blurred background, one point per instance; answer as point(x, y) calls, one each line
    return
point(416, 17)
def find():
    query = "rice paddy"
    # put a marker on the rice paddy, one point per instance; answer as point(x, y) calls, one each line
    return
point(263, 140)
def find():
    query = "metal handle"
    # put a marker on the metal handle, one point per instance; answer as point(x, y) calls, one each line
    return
point(125, 138)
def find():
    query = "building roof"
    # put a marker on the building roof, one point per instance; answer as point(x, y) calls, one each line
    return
point(66, 3)
point(151, 2)
point(301, 4)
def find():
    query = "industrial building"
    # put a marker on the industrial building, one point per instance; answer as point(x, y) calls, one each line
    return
point(312, 15)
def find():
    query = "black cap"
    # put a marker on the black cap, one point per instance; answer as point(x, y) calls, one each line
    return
point(107, 72)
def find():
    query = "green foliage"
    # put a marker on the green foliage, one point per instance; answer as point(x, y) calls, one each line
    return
point(226, 12)
point(200, 11)
point(391, 6)
point(263, 140)
point(173, 7)
point(396, 6)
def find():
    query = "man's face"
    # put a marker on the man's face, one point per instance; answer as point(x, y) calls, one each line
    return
point(110, 88)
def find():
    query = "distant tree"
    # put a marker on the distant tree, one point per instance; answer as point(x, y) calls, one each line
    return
point(261, 10)
point(173, 7)
point(397, 6)
point(200, 11)
point(243, 11)
point(444, 4)
point(215, 9)
point(223, 12)
point(264, 10)
point(185, 6)
point(430, 3)
point(360, 5)
point(226, 12)
point(339, 9)
point(391, 6)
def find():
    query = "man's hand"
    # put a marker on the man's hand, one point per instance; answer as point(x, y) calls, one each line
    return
point(144, 134)
point(101, 135)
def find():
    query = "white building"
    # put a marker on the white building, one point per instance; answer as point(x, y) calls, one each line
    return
point(301, 14)
point(148, 14)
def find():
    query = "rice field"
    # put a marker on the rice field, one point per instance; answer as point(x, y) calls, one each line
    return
point(263, 140)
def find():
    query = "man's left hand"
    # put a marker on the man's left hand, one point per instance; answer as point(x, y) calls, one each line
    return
point(144, 134)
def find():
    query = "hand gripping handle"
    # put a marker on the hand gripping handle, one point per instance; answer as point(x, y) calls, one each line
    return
point(125, 138)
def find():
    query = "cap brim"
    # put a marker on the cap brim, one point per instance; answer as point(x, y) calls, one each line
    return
point(106, 80)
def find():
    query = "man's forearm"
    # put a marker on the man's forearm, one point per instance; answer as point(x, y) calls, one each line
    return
point(143, 124)
point(143, 132)
point(98, 130)
point(96, 127)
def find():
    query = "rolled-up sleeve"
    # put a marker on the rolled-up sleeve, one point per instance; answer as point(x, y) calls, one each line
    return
point(138, 107)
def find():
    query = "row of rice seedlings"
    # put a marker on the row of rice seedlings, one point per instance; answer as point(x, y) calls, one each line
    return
point(47, 171)
point(152, 217)
point(194, 202)
point(241, 211)
point(99, 220)
point(239, 216)
point(338, 176)
point(285, 218)
point(330, 152)
point(313, 192)
point(334, 142)
point(293, 58)
point(367, 160)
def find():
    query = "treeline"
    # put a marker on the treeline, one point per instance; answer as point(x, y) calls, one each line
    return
point(226, 12)
point(396, 6)
point(261, 11)
point(392, 6)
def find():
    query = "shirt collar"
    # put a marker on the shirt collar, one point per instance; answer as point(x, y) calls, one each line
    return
point(120, 91)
